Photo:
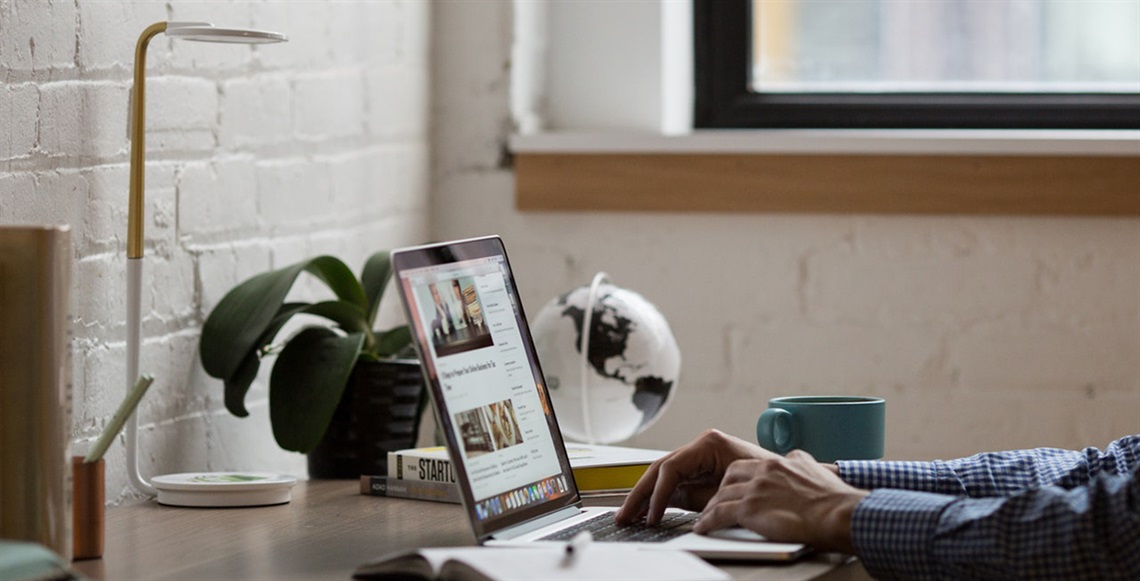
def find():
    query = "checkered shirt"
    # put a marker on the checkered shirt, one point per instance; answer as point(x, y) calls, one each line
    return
point(1029, 514)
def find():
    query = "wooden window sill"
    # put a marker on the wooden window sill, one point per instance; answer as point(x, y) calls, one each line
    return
point(743, 172)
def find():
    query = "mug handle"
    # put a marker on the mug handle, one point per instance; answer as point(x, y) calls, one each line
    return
point(774, 423)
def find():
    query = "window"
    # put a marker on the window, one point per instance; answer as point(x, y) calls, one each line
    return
point(1012, 64)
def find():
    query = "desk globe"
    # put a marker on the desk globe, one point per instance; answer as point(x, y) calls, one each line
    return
point(615, 381)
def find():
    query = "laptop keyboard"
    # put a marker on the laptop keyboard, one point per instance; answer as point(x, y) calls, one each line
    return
point(604, 530)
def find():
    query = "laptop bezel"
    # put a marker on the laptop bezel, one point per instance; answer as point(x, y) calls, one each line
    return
point(404, 259)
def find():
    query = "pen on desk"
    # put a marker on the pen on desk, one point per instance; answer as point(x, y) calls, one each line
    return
point(575, 545)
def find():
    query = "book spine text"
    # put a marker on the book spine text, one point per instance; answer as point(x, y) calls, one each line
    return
point(409, 467)
point(419, 490)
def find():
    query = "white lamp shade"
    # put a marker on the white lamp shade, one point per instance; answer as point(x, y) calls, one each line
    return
point(206, 32)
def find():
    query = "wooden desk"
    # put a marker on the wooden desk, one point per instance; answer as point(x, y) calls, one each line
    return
point(324, 533)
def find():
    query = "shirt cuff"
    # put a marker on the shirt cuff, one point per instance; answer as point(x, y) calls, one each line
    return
point(892, 531)
point(872, 474)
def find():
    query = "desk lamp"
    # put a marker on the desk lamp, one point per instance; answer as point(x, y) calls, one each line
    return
point(209, 489)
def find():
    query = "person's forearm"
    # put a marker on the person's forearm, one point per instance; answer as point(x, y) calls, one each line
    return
point(1088, 532)
point(996, 473)
point(982, 475)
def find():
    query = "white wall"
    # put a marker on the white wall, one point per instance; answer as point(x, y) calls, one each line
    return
point(981, 332)
point(257, 157)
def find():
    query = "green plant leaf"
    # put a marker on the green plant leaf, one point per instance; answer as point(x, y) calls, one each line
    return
point(242, 316)
point(282, 316)
point(340, 279)
point(393, 341)
point(237, 385)
point(377, 271)
point(307, 383)
point(349, 317)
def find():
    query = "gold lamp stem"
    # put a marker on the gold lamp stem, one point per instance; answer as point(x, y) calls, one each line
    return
point(135, 213)
point(136, 208)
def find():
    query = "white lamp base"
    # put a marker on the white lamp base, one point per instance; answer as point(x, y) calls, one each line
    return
point(223, 489)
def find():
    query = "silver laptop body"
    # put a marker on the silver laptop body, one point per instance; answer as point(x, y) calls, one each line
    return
point(490, 399)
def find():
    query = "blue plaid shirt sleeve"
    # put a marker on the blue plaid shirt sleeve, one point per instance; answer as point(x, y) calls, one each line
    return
point(1033, 513)
point(997, 473)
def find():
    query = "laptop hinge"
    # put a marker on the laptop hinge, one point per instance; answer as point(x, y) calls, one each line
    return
point(532, 525)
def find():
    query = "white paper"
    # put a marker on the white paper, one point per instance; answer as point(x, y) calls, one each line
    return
point(593, 561)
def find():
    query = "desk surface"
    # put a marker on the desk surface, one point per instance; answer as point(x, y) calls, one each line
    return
point(324, 533)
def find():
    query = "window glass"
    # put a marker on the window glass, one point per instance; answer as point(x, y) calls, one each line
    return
point(946, 46)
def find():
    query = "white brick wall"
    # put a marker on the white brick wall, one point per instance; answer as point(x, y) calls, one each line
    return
point(328, 103)
point(38, 36)
point(258, 156)
point(981, 332)
point(82, 119)
point(256, 111)
point(18, 101)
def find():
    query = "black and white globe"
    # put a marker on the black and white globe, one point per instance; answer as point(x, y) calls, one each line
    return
point(624, 379)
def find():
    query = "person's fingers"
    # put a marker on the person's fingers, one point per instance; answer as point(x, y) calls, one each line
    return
point(687, 477)
point(653, 492)
point(723, 510)
point(694, 495)
point(792, 499)
point(719, 510)
point(637, 501)
point(630, 512)
point(674, 470)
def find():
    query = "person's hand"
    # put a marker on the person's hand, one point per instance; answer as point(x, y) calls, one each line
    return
point(791, 499)
point(686, 477)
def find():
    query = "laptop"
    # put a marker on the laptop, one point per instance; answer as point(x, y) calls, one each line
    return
point(491, 403)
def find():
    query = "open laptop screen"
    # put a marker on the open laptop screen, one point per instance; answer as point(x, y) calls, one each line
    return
point(490, 397)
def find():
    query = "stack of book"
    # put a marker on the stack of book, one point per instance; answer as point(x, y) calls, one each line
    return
point(425, 473)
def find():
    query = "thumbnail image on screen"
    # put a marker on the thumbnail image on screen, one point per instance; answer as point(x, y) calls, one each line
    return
point(455, 315)
point(488, 428)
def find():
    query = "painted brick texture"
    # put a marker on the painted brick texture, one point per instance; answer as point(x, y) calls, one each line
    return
point(257, 156)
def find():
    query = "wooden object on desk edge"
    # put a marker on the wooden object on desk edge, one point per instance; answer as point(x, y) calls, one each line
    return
point(88, 508)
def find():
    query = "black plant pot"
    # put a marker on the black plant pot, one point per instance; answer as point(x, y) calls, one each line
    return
point(379, 413)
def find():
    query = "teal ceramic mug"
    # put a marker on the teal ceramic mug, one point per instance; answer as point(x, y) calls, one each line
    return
point(828, 427)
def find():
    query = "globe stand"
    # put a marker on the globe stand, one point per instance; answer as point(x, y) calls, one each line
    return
point(587, 321)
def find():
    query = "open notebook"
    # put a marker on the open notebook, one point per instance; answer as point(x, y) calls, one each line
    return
point(509, 460)
point(505, 564)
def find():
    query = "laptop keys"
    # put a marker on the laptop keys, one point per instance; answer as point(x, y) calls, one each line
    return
point(604, 530)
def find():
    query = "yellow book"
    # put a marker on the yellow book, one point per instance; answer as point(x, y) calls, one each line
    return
point(596, 467)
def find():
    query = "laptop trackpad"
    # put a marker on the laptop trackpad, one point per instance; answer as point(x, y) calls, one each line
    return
point(737, 534)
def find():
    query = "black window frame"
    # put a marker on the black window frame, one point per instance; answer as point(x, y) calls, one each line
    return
point(724, 98)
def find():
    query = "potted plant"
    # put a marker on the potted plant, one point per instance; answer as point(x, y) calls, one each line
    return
point(339, 391)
